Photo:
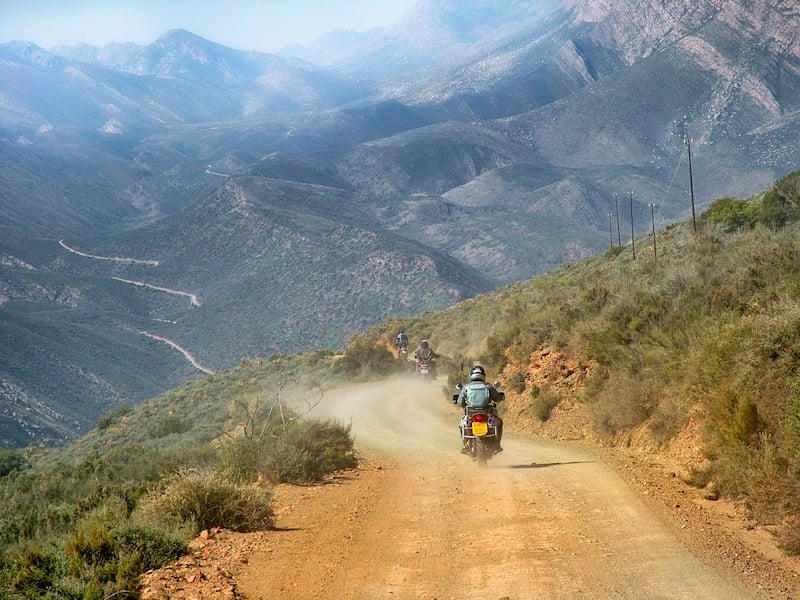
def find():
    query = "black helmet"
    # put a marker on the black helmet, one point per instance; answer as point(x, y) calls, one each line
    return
point(424, 343)
point(477, 373)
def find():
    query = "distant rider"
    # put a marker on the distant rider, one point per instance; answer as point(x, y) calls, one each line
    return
point(426, 354)
point(479, 394)
point(402, 342)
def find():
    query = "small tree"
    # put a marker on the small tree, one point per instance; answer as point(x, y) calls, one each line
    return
point(10, 461)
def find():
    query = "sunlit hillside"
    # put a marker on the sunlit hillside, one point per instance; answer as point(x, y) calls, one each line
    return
point(696, 338)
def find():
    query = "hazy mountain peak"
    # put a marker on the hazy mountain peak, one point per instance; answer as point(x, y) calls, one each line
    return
point(29, 53)
point(185, 39)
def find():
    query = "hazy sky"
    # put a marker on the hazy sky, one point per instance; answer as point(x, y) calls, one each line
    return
point(264, 25)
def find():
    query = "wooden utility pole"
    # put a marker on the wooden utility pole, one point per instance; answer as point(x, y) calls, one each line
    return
point(633, 239)
point(653, 221)
point(616, 210)
point(610, 232)
point(691, 182)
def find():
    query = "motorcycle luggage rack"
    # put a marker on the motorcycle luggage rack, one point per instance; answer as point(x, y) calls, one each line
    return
point(473, 410)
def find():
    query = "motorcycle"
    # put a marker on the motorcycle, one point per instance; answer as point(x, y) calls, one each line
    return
point(425, 369)
point(402, 352)
point(479, 428)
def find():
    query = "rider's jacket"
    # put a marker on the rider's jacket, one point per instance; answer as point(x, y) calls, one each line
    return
point(425, 354)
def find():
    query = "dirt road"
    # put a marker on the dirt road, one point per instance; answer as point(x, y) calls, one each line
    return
point(541, 521)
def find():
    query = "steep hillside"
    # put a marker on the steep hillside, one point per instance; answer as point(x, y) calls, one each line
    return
point(302, 258)
point(689, 352)
point(259, 266)
point(72, 352)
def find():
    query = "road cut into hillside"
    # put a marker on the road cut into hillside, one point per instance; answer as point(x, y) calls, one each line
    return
point(541, 520)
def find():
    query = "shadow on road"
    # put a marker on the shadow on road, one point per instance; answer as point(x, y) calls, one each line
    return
point(534, 465)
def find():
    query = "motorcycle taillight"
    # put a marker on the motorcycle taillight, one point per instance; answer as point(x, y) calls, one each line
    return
point(479, 418)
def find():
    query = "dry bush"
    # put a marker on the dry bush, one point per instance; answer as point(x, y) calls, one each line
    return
point(543, 401)
point(623, 404)
point(209, 500)
point(771, 494)
point(671, 414)
point(307, 451)
point(789, 537)
point(516, 381)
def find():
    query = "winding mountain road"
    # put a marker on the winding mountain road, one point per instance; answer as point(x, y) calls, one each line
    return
point(117, 259)
point(193, 299)
point(542, 520)
point(188, 355)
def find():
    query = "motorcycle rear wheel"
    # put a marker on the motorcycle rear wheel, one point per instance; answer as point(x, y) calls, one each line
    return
point(482, 452)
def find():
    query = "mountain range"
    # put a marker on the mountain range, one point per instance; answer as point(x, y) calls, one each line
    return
point(239, 204)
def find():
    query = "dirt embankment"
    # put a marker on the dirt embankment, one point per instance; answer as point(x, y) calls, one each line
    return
point(418, 520)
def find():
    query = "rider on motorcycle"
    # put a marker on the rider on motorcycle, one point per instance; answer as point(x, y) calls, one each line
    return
point(479, 394)
point(425, 354)
point(402, 341)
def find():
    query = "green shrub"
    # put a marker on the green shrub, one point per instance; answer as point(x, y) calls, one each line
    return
point(209, 500)
point(105, 421)
point(142, 548)
point(111, 560)
point(92, 554)
point(37, 575)
point(242, 457)
point(733, 214)
point(781, 203)
point(364, 360)
point(169, 425)
point(10, 461)
point(307, 451)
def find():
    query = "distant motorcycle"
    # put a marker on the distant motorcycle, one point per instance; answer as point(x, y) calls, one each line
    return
point(479, 427)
